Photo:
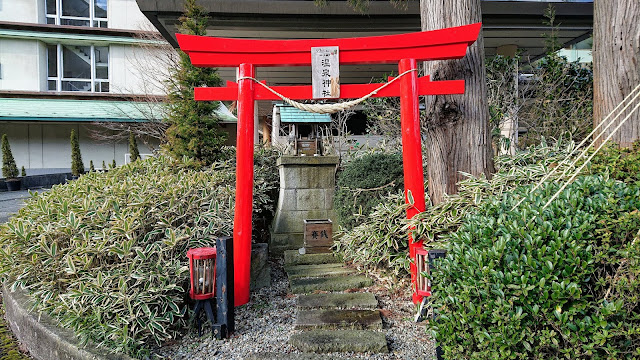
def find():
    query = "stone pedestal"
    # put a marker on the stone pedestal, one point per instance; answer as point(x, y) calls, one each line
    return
point(307, 186)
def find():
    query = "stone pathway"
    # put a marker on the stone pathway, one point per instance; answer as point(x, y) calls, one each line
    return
point(333, 319)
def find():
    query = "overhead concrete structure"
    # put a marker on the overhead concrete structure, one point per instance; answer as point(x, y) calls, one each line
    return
point(511, 22)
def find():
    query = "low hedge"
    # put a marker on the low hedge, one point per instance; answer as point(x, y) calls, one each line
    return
point(363, 182)
point(106, 254)
point(534, 283)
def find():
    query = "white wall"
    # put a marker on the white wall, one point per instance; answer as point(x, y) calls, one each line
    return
point(21, 64)
point(27, 11)
point(136, 70)
point(122, 14)
point(40, 146)
point(125, 14)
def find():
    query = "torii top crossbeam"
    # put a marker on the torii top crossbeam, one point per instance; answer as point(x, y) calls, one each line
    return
point(404, 49)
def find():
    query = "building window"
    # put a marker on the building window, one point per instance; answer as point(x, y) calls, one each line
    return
point(77, 12)
point(78, 68)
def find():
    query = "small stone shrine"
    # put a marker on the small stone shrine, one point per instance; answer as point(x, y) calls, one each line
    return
point(307, 178)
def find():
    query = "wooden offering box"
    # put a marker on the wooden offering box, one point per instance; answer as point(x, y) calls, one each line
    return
point(318, 235)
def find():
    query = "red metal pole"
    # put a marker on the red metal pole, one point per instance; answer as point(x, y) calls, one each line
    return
point(411, 154)
point(244, 186)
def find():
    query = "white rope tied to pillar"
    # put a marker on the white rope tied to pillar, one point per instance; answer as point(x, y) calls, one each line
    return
point(326, 108)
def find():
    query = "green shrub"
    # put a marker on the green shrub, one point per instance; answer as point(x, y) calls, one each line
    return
point(537, 283)
point(9, 167)
point(77, 167)
point(133, 148)
point(379, 243)
point(362, 184)
point(106, 255)
point(620, 163)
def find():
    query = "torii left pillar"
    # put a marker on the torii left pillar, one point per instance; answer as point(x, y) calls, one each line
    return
point(244, 184)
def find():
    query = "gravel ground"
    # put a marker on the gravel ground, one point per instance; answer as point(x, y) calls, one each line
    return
point(265, 324)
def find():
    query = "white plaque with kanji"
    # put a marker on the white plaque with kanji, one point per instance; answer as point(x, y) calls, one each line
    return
point(325, 69)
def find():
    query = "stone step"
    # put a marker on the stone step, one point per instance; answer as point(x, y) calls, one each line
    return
point(321, 270)
point(338, 300)
point(293, 257)
point(334, 283)
point(325, 341)
point(281, 356)
point(338, 319)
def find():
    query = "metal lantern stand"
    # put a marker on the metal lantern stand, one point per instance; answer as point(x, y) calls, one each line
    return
point(211, 275)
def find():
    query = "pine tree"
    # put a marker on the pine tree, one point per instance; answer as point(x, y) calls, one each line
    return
point(9, 168)
point(77, 167)
point(133, 148)
point(194, 129)
point(104, 166)
point(113, 164)
point(91, 168)
point(23, 172)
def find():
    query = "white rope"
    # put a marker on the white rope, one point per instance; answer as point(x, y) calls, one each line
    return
point(566, 170)
point(326, 108)
point(591, 157)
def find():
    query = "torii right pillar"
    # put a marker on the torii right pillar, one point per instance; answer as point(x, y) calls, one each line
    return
point(411, 156)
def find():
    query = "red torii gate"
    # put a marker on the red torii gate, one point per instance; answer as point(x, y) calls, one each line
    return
point(406, 49)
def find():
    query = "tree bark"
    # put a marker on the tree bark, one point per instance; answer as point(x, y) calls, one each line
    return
point(458, 134)
point(616, 66)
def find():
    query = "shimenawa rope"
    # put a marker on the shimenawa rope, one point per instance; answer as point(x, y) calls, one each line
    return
point(326, 108)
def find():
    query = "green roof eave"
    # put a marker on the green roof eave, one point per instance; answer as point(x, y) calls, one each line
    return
point(57, 37)
point(76, 110)
point(34, 109)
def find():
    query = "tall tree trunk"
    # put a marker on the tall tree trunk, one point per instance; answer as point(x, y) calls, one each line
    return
point(616, 64)
point(458, 136)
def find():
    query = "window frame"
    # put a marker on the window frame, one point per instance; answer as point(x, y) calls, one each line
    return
point(92, 19)
point(93, 81)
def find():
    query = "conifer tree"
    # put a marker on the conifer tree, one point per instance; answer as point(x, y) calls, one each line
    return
point(194, 129)
point(23, 172)
point(77, 167)
point(9, 168)
point(91, 168)
point(104, 166)
point(133, 148)
point(113, 164)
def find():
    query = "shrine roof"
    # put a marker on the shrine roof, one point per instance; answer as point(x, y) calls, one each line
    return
point(289, 114)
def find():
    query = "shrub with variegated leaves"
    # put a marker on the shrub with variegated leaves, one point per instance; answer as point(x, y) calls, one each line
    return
point(106, 255)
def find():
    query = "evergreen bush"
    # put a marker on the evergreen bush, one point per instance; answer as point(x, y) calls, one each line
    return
point(91, 167)
point(194, 129)
point(534, 283)
point(133, 148)
point(619, 163)
point(363, 182)
point(23, 172)
point(77, 167)
point(9, 167)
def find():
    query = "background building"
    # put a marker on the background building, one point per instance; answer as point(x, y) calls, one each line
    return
point(509, 26)
point(66, 64)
